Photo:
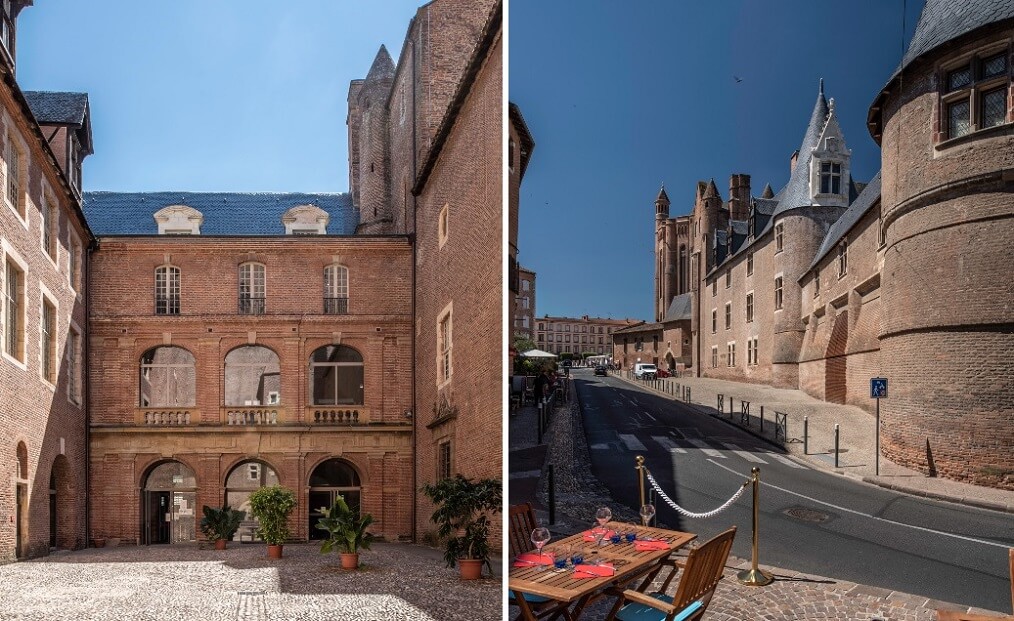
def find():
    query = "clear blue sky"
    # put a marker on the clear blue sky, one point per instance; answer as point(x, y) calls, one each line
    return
point(622, 96)
point(243, 95)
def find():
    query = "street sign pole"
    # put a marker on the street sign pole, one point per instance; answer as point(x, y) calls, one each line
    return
point(877, 465)
point(878, 390)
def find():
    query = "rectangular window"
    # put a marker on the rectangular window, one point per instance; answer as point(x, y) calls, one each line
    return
point(50, 226)
point(728, 315)
point(779, 230)
point(728, 278)
point(830, 178)
point(251, 289)
point(816, 284)
point(731, 351)
point(714, 320)
point(444, 347)
point(444, 460)
point(48, 341)
point(74, 263)
point(714, 357)
point(73, 354)
point(843, 258)
point(751, 352)
point(749, 307)
point(975, 95)
point(14, 303)
point(13, 158)
point(994, 107)
point(959, 122)
point(167, 290)
point(749, 264)
point(778, 293)
point(714, 287)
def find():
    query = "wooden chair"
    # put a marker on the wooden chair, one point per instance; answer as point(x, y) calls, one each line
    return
point(520, 523)
point(702, 572)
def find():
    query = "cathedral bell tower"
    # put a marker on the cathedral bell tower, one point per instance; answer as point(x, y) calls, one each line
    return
point(662, 259)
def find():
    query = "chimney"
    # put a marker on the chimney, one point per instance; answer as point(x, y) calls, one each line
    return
point(739, 197)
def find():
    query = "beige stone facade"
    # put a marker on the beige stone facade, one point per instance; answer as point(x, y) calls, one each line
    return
point(578, 335)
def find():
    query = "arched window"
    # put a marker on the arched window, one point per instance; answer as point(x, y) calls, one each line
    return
point(336, 376)
point(244, 479)
point(332, 478)
point(167, 290)
point(252, 376)
point(167, 378)
point(168, 504)
point(252, 289)
point(336, 290)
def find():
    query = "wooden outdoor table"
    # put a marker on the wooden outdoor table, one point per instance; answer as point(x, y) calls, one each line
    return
point(562, 586)
point(951, 615)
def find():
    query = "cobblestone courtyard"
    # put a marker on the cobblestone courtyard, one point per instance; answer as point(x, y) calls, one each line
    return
point(398, 581)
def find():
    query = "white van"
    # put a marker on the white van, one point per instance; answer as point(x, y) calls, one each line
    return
point(644, 370)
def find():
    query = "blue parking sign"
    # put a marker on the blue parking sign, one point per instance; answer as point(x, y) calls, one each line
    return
point(878, 388)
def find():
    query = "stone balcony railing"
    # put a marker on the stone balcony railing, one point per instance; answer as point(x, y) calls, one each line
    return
point(252, 415)
point(337, 415)
point(167, 417)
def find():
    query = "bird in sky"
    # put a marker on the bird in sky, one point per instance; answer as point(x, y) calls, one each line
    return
point(737, 78)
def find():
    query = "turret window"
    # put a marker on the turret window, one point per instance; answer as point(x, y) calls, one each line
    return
point(976, 94)
point(779, 240)
point(830, 178)
point(778, 293)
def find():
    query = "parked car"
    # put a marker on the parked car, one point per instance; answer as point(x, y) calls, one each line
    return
point(600, 370)
point(644, 370)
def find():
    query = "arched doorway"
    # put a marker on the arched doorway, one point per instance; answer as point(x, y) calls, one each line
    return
point(328, 480)
point(62, 513)
point(168, 504)
point(244, 479)
point(836, 363)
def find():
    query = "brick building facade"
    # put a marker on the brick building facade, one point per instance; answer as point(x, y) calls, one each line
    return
point(578, 335)
point(832, 281)
point(43, 285)
point(524, 305)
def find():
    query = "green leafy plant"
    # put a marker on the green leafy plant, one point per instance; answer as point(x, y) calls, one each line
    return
point(272, 506)
point(462, 516)
point(221, 523)
point(346, 531)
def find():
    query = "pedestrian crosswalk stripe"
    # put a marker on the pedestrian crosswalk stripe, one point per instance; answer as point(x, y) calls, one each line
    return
point(668, 444)
point(785, 460)
point(631, 442)
point(747, 455)
point(707, 450)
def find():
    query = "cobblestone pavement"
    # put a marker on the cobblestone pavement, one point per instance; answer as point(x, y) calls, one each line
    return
point(396, 582)
point(792, 597)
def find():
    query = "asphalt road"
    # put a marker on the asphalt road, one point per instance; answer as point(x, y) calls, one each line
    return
point(810, 521)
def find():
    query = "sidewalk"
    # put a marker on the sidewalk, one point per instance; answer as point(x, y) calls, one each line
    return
point(793, 596)
point(857, 439)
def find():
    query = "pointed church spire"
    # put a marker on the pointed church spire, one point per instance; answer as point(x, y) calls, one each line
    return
point(712, 191)
point(821, 93)
point(768, 192)
point(662, 196)
point(382, 67)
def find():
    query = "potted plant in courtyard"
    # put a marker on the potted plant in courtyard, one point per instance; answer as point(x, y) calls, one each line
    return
point(272, 506)
point(462, 517)
point(219, 525)
point(346, 532)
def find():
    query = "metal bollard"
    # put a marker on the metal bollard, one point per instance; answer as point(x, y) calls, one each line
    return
point(538, 422)
point(836, 445)
point(552, 495)
point(806, 435)
point(762, 419)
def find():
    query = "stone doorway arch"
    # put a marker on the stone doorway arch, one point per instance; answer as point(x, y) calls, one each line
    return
point(168, 504)
point(836, 362)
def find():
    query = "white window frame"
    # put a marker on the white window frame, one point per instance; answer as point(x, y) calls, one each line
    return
point(251, 266)
point(749, 306)
point(730, 349)
point(9, 254)
point(50, 214)
point(779, 297)
point(443, 225)
point(46, 296)
point(728, 315)
point(13, 142)
point(75, 257)
point(75, 363)
point(336, 283)
point(779, 237)
point(167, 288)
point(714, 356)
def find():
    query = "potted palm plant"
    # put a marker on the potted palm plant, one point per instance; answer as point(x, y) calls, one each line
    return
point(462, 518)
point(346, 532)
point(219, 525)
point(272, 506)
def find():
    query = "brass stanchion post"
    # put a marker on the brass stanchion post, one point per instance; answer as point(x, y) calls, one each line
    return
point(755, 576)
point(640, 475)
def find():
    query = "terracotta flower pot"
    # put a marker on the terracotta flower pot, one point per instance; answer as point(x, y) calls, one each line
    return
point(99, 542)
point(350, 561)
point(220, 544)
point(275, 551)
point(470, 568)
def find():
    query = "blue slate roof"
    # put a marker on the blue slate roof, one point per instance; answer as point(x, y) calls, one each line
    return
point(796, 192)
point(679, 308)
point(225, 213)
point(61, 108)
point(867, 198)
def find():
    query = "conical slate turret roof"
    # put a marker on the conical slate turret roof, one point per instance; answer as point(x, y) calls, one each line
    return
point(662, 196)
point(797, 191)
point(382, 67)
point(768, 192)
point(712, 191)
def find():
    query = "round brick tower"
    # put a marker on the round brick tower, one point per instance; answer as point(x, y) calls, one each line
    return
point(946, 128)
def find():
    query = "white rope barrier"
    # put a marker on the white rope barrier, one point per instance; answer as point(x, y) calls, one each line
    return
point(690, 514)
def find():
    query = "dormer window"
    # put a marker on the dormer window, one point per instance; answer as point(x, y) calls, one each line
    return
point(305, 220)
point(7, 29)
point(179, 220)
point(830, 178)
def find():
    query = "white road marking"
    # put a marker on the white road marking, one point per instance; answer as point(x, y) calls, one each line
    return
point(785, 460)
point(599, 447)
point(632, 443)
point(747, 455)
point(668, 444)
point(527, 474)
point(650, 416)
point(707, 450)
point(867, 515)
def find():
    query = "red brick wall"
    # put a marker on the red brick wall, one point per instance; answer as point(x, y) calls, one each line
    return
point(468, 179)
point(123, 326)
point(36, 413)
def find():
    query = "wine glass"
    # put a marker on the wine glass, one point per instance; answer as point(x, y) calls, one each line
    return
point(539, 537)
point(647, 512)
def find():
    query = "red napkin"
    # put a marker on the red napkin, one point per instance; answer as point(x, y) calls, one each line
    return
point(593, 571)
point(590, 535)
point(643, 546)
point(528, 559)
